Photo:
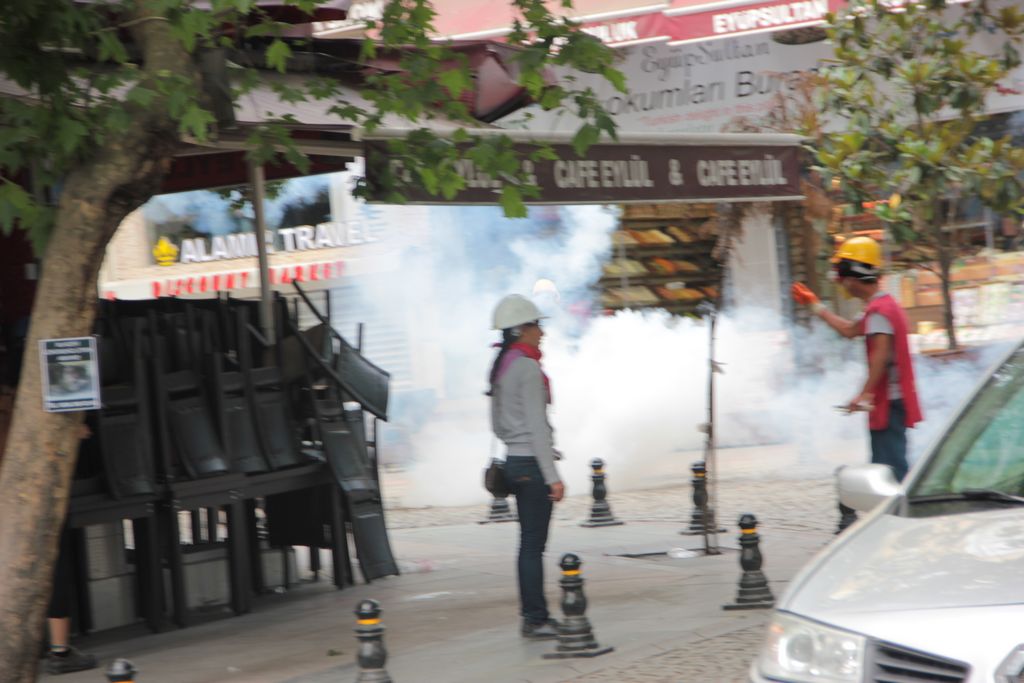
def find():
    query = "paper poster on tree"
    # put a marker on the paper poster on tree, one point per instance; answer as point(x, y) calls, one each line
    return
point(71, 377)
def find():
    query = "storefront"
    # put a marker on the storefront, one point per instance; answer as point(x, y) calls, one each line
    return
point(670, 251)
point(202, 244)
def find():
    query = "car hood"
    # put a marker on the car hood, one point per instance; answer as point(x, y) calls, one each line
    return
point(890, 563)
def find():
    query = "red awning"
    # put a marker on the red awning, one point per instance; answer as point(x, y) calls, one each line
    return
point(691, 20)
point(628, 22)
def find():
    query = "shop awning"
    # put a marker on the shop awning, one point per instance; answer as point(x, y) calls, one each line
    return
point(615, 22)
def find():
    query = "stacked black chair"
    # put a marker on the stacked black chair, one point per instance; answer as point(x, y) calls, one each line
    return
point(194, 464)
point(203, 415)
point(303, 505)
point(345, 376)
point(123, 482)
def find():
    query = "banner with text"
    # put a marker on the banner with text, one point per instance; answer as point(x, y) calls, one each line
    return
point(620, 174)
point(703, 87)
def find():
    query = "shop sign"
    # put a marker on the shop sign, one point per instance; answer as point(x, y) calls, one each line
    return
point(620, 31)
point(753, 18)
point(211, 283)
point(71, 377)
point(622, 174)
point(243, 245)
point(695, 87)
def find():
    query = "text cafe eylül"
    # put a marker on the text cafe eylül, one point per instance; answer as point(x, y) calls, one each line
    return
point(624, 173)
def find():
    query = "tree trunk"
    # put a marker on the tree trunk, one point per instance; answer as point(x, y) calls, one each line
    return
point(945, 265)
point(945, 253)
point(37, 466)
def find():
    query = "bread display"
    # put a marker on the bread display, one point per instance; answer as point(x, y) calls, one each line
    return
point(661, 266)
point(624, 266)
point(679, 293)
point(664, 256)
point(635, 295)
point(686, 267)
point(681, 235)
point(650, 236)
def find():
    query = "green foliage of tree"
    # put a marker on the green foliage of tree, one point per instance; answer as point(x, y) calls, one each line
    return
point(96, 97)
point(900, 108)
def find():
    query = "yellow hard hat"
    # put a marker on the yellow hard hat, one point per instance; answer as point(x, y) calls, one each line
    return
point(861, 250)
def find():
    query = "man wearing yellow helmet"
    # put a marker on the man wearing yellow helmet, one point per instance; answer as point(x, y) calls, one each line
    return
point(889, 394)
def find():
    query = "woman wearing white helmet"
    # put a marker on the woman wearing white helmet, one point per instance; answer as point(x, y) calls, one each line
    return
point(520, 393)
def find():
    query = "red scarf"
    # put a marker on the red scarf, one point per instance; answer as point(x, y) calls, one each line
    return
point(522, 349)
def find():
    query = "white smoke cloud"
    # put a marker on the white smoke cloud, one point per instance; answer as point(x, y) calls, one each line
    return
point(629, 388)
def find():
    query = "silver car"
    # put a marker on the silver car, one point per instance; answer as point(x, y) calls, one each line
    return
point(929, 586)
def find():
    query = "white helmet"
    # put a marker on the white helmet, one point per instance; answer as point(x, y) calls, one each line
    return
point(515, 310)
point(544, 287)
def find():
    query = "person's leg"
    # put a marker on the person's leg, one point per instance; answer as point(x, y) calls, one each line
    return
point(898, 439)
point(60, 632)
point(62, 658)
point(889, 445)
point(534, 509)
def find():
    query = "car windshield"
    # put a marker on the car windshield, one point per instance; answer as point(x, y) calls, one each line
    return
point(984, 449)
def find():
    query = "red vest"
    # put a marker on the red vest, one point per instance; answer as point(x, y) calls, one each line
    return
point(887, 307)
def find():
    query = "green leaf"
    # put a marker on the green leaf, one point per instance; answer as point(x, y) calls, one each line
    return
point(111, 49)
point(69, 133)
point(616, 78)
point(456, 81)
point(278, 54)
point(429, 178)
point(552, 97)
point(533, 81)
point(606, 124)
point(586, 136)
point(141, 96)
point(512, 202)
point(197, 121)
point(544, 153)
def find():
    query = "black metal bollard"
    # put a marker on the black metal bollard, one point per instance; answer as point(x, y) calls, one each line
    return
point(575, 635)
point(600, 511)
point(372, 655)
point(121, 670)
point(500, 511)
point(847, 515)
point(754, 592)
point(700, 503)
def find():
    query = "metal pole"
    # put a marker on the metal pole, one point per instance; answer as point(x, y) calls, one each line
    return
point(990, 235)
point(256, 180)
point(711, 530)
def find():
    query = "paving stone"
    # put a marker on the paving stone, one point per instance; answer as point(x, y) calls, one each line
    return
point(722, 659)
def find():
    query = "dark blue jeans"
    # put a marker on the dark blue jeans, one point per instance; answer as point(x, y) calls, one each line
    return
point(526, 482)
point(889, 445)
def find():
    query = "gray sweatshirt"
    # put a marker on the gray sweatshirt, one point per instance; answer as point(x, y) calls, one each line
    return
point(519, 415)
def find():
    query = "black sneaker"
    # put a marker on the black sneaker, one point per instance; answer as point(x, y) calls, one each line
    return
point(72, 660)
point(542, 631)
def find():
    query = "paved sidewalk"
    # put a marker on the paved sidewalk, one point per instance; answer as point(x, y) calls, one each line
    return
point(451, 616)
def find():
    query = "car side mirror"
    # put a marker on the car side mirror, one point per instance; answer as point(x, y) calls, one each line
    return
point(863, 487)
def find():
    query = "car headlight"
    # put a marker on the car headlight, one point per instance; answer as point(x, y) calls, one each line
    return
point(804, 651)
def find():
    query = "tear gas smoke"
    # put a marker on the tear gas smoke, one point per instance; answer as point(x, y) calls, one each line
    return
point(630, 388)
point(294, 202)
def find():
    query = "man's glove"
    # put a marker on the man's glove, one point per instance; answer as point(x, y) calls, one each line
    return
point(805, 297)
